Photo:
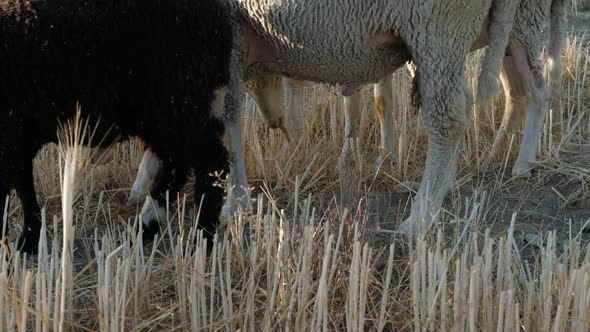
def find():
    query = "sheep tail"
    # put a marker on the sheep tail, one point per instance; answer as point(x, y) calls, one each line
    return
point(500, 24)
point(554, 66)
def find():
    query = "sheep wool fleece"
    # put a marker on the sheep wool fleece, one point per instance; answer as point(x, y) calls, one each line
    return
point(359, 41)
point(150, 68)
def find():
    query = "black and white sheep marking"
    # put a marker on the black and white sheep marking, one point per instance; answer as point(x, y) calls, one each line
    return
point(155, 69)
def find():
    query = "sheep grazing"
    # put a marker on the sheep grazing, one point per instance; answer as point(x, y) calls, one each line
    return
point(277, 40)
point(271, 107)
point(274, 37)
point(371, 40)
point(163, 71)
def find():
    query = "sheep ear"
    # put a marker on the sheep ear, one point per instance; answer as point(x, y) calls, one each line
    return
point(258, 49)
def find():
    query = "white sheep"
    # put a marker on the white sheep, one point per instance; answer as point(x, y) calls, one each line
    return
point(289, 48)
point(521, 66)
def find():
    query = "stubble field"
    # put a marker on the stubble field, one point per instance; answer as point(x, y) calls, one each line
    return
point(505, 254)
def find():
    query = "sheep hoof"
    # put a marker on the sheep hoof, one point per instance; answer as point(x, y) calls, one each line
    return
point(384, 164)
point(407, 187)
point(135, 198)
point(152, 213)
point(345, 163)
point(28, 242)
point(408, 227)
point(345, 166)
point(228, 211)
point(522, 169)
point(413, 225)
point(150, 230)
point(232, 205)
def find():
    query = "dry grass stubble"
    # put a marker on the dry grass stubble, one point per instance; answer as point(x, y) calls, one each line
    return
point(511, 254)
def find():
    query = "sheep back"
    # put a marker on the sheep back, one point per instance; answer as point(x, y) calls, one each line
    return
point(124, 62)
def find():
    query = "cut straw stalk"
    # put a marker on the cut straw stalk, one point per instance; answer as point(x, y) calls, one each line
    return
point(475, 292)
point(71, 139)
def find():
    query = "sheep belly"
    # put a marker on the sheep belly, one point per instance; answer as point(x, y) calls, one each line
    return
point(358, 66)
point(328, 41)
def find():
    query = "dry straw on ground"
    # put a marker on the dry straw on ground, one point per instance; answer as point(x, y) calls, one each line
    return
point(504, 259)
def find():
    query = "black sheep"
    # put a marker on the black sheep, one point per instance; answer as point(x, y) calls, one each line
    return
point(155, 69)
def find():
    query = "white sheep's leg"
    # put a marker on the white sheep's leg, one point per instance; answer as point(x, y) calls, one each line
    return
point(148, 169)
point(444, 108)
point(238, 190)
point(295, 107)
point(171, 179)
point(537, 90)
point(384, 106)
point(515, 91)
point(351, 112)
point(345, 166)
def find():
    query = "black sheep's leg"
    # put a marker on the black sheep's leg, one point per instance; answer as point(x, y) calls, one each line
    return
point(25, 188)
point(207, 194)
point(171, 179)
